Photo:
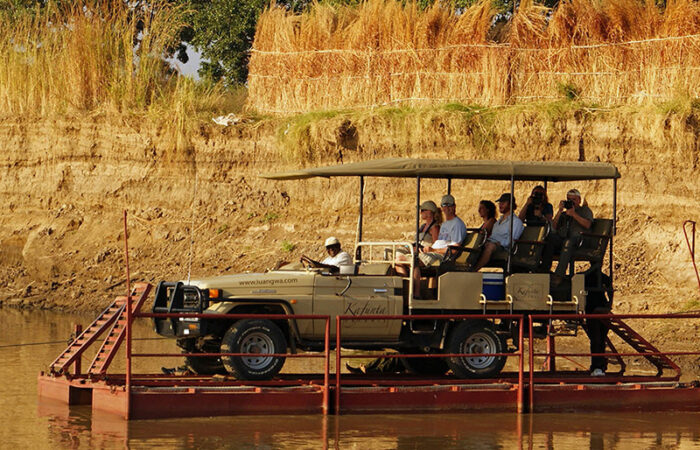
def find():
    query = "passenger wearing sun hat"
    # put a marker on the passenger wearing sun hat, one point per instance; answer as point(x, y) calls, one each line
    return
point(431, 216)
point(452, 232)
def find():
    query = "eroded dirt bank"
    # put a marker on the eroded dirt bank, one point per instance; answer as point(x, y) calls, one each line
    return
point(65, 182)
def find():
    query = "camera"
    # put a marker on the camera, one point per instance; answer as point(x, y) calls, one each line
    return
point(537, 199)
point(568, 204)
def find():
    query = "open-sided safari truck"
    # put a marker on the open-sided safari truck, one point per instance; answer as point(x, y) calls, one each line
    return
point(371, 286)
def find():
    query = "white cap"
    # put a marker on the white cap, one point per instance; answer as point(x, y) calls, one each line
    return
point(447, 200)
point(332, 241)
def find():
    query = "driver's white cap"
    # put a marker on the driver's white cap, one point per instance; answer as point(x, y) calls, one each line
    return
point(332, 241)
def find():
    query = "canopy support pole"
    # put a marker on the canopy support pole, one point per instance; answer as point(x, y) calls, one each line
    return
point(512, 213)
point(417, 209)
point(415, 255)
point(614, 226)
point(449, 186)
point(358, 253)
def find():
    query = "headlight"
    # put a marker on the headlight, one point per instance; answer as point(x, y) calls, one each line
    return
point(190, 300)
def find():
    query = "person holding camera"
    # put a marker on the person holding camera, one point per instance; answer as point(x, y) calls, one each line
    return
point(537, 209)
point(571, 220)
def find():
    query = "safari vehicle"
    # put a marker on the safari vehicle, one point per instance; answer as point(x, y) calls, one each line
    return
point(371, 287)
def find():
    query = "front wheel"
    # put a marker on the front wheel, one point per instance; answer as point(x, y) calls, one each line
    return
point(475, 337)
point(260, 338)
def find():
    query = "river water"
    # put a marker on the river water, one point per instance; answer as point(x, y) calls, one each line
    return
point(25, 423)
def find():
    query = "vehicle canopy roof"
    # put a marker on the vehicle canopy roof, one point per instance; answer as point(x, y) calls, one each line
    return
point(460, 169)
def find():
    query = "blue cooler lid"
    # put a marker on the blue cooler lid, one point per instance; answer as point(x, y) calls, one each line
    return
point(493, 277)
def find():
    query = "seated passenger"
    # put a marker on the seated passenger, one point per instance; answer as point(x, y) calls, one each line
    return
point(500, 238)
point(487, 212)
point(432, 220)
point(452, 232)
point(537, 209)
point(427, 234)
point(571, 220)
point(336, 257)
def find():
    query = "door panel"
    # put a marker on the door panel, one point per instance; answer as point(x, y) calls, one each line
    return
point(359, 295)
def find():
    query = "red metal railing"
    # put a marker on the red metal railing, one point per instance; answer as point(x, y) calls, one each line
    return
point(551, 354)
point(129, 316)
point(691, 246)
point(519, 353)
point(325, 355)
point(524, 384)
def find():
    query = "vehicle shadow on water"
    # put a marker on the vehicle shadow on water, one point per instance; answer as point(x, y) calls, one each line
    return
point(76, 427)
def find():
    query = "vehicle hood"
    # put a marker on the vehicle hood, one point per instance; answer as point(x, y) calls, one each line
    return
point(257, 283)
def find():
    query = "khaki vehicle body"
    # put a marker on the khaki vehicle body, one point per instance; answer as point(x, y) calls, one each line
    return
point(318, 293)
point(313, 291)
point(370, 287)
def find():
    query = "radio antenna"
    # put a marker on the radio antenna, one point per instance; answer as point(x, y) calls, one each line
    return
point(194, 206)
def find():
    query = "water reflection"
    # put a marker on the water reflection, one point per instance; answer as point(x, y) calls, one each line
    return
point(67, 426)
point(76, 428)
point(51, 425)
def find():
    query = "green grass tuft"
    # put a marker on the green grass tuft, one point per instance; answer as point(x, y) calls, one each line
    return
point(269, 217)
point(288, 246)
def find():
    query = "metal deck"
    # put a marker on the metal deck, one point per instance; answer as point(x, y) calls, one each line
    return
point(168, 397)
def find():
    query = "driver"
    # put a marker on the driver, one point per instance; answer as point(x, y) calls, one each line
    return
point(336, 256)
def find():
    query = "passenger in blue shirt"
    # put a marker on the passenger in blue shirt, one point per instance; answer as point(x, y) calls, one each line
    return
point(500, 236)
point(452, 232)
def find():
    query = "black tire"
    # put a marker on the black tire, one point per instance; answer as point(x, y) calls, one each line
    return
point(425, 366)
point(203, 365)
point(475, 337)
point(253, 336)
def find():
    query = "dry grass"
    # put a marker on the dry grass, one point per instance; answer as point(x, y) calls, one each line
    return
point(384, 53)
point(93, 57)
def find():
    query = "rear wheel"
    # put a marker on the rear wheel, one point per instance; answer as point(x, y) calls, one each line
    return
point(260, 338)
point(476, 337)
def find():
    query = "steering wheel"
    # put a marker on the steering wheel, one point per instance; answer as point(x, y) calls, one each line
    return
point(306, 262)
